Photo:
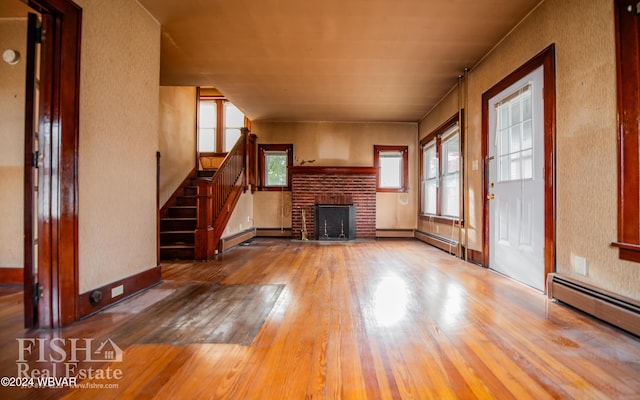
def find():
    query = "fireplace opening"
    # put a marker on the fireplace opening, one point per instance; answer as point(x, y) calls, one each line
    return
point(335, 222)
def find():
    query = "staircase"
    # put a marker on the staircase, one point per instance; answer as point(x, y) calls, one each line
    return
point(177, 238)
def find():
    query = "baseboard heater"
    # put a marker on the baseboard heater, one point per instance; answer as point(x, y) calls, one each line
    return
point(234, 240)
point(445, 244)
point(619, 311)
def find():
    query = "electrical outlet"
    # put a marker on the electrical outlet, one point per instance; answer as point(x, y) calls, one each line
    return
point(117, 291)
point(579, 264)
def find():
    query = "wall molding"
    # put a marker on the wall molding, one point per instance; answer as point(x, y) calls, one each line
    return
point(395, 233)
point(131, 285)
point(474, 256)
point(12, 276)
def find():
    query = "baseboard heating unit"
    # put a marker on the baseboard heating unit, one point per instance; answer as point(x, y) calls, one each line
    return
point(619, 311)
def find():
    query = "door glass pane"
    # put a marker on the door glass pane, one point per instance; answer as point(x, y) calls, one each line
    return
point(527, 135)
point(527, 164)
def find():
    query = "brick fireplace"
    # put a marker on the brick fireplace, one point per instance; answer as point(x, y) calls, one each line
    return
point(333, 185)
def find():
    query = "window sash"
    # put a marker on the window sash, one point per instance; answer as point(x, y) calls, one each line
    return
point(276, 171)
point(390, 169)
point(514, 136)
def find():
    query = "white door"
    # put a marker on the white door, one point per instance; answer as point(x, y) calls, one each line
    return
point(516, 181)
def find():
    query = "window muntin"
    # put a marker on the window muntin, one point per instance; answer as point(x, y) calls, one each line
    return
point(514, 136)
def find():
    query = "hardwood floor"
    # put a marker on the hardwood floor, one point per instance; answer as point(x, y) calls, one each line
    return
point(388, 319)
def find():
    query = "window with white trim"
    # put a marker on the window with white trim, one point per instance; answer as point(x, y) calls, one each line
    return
point(440, 173)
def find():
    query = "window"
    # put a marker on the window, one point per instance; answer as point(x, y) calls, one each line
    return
point(214, 113)
point(440, 173)
point(233, 121)
point(392, 164)
point(207, 116)
point(273, 165)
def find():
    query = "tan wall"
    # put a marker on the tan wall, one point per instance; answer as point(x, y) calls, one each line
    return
point(119, 125)
point(13, 35)
point(586, 179)
point(242, 216)
point(340, 144)
point(177, 137)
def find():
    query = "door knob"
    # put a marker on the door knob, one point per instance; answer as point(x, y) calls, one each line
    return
point(491, 196)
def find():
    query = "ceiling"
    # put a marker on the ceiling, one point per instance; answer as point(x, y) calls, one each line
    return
point(329, 60)
point(13, 9)
point(326, 60)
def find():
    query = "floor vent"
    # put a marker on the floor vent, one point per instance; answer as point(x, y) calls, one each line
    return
point(619, 311)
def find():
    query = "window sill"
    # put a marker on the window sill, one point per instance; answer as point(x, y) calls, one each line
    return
point(628, 251)
point(274, 188)
point(441, 219)
point(392, 190)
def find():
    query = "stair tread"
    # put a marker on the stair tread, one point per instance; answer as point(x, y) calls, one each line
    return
point(176, 231)
point(177, 246)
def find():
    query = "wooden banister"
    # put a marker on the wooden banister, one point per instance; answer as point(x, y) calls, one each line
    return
point(216, 198)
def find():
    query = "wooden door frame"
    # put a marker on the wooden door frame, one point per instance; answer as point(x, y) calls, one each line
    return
point(58, 262)
point(546, 59)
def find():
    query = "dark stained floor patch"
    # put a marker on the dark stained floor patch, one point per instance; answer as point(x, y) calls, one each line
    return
point(203, 313)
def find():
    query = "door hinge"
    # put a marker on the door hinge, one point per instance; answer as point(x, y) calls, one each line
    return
point(39, 34)
point(34, 161)
point(38, 292)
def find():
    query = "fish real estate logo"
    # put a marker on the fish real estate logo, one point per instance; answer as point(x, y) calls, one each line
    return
point(68, 357)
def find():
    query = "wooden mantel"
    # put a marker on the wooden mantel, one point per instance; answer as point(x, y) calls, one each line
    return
point(332, 170)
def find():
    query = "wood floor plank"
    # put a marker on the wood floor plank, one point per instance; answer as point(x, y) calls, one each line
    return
point(387, 319)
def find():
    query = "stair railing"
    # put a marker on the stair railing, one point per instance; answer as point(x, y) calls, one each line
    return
point(216, 198)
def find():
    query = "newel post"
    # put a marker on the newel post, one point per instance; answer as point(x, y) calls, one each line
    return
point(204, 249)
